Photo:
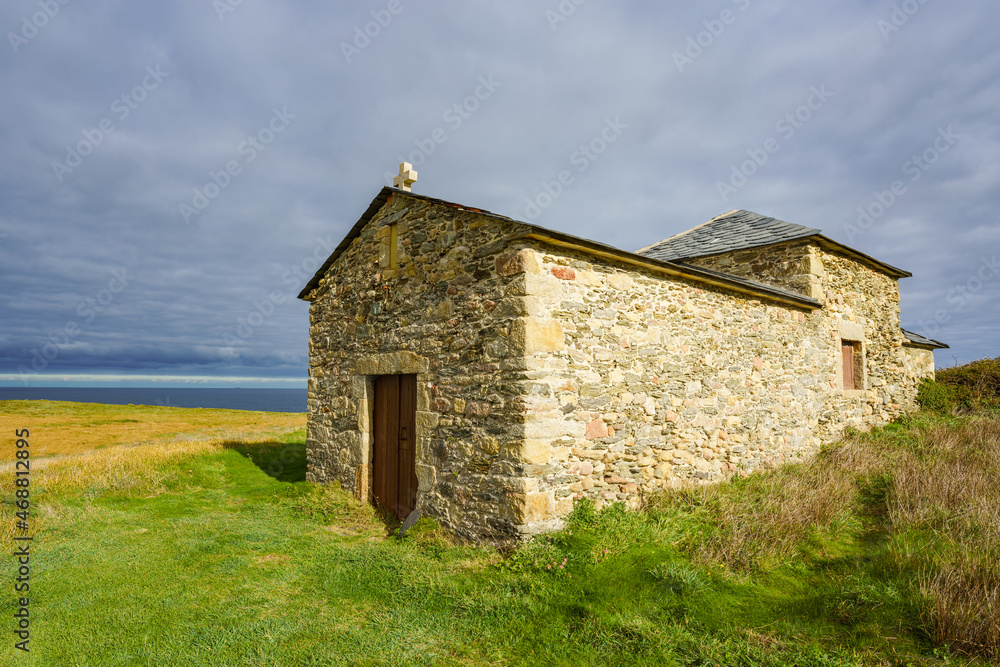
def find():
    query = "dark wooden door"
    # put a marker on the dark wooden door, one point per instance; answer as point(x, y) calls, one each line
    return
point(395, 417)
point(848, 352)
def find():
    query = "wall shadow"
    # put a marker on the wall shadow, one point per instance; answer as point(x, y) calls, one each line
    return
point(284, 461)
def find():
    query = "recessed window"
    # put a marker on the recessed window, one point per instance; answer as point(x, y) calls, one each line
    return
point(393, 245)
point(854, 368)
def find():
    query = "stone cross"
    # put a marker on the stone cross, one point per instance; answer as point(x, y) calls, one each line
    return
point(406, 177)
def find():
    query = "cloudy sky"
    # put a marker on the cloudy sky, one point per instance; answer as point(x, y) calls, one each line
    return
point(172, 171)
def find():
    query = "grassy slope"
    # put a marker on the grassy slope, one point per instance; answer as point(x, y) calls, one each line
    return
point(221, 555)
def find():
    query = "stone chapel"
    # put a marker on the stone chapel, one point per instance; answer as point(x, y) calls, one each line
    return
point(489, 371)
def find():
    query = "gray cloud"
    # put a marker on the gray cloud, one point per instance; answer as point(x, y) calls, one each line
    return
point(557, 84)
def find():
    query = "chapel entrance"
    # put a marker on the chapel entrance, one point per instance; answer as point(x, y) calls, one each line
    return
point(395, 416)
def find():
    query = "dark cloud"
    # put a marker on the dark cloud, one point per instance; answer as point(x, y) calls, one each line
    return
point(170, 95)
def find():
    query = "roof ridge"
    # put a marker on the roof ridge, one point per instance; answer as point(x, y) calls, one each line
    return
point(688, 231)
point(739, 229)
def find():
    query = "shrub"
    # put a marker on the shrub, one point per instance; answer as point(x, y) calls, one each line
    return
point(974, 385)
point(935, 396)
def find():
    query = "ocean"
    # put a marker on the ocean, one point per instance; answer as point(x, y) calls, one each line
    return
point(267, 400)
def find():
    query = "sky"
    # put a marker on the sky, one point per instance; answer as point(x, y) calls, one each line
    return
point(174, 173)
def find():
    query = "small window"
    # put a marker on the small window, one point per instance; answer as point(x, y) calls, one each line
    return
point(393, 245)
point(854, 370)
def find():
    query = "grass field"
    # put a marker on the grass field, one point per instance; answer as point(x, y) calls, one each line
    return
point(62, 427)
point(217, 552)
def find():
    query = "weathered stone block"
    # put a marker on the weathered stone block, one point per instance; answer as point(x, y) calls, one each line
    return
point(522, 261)
point(535, 451)
point(539, 506)
point(596, 429)
point(620, 281)
point(531, 335)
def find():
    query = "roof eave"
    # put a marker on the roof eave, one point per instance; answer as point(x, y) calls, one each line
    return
point(847, 250)
point(938, 346)
point(914, 339)
point(865, 259)
point(671, 268)
point(380, 200)
point(560, 239)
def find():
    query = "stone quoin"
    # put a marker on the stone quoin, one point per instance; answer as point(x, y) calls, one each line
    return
point(549, 368)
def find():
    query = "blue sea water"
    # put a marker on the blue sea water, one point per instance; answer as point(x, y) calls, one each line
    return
point(267, 400)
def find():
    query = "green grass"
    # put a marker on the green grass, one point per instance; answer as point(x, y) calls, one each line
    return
point(226, 556)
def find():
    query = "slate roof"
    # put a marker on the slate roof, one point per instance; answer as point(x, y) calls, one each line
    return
point(741, 230)
point(736, 230)
point(917, 340)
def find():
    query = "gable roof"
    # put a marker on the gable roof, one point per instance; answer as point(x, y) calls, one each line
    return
point(595, 248)
point(916, 340)
point(736, 230)
point(381, 199)
point(742, 230)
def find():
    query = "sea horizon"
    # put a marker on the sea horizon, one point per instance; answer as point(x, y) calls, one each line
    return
point(226, 398)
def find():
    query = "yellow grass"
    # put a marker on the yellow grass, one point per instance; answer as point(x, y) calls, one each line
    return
point(137, 469)
point(64, 428)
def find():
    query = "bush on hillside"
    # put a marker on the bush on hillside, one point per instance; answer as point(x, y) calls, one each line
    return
point(974, 385)
point(935, 396)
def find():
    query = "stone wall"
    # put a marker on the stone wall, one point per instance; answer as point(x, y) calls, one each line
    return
point(661, 379)
point(444, 313)
point(919, 362)
point(795, 266)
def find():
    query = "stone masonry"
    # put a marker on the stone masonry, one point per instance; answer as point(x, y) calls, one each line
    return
point(552, 369)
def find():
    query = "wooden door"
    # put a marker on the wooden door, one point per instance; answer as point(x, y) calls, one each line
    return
point(848, 352)
point(395, 417)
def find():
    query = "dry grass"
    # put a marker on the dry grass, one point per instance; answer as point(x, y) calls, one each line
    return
point(963, 607)
point(774, 513)
point(940, 481)
point(85, 466)
point(65, 428)
point(137, 470)
point(954, 492)
point(953, 487)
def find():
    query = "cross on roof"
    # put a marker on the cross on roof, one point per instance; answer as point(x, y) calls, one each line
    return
point(406, 177)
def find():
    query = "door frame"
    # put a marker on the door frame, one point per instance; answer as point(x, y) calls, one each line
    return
point(363, 390)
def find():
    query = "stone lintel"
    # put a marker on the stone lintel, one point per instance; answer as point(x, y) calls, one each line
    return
point(392, 363)
point(850, 330)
